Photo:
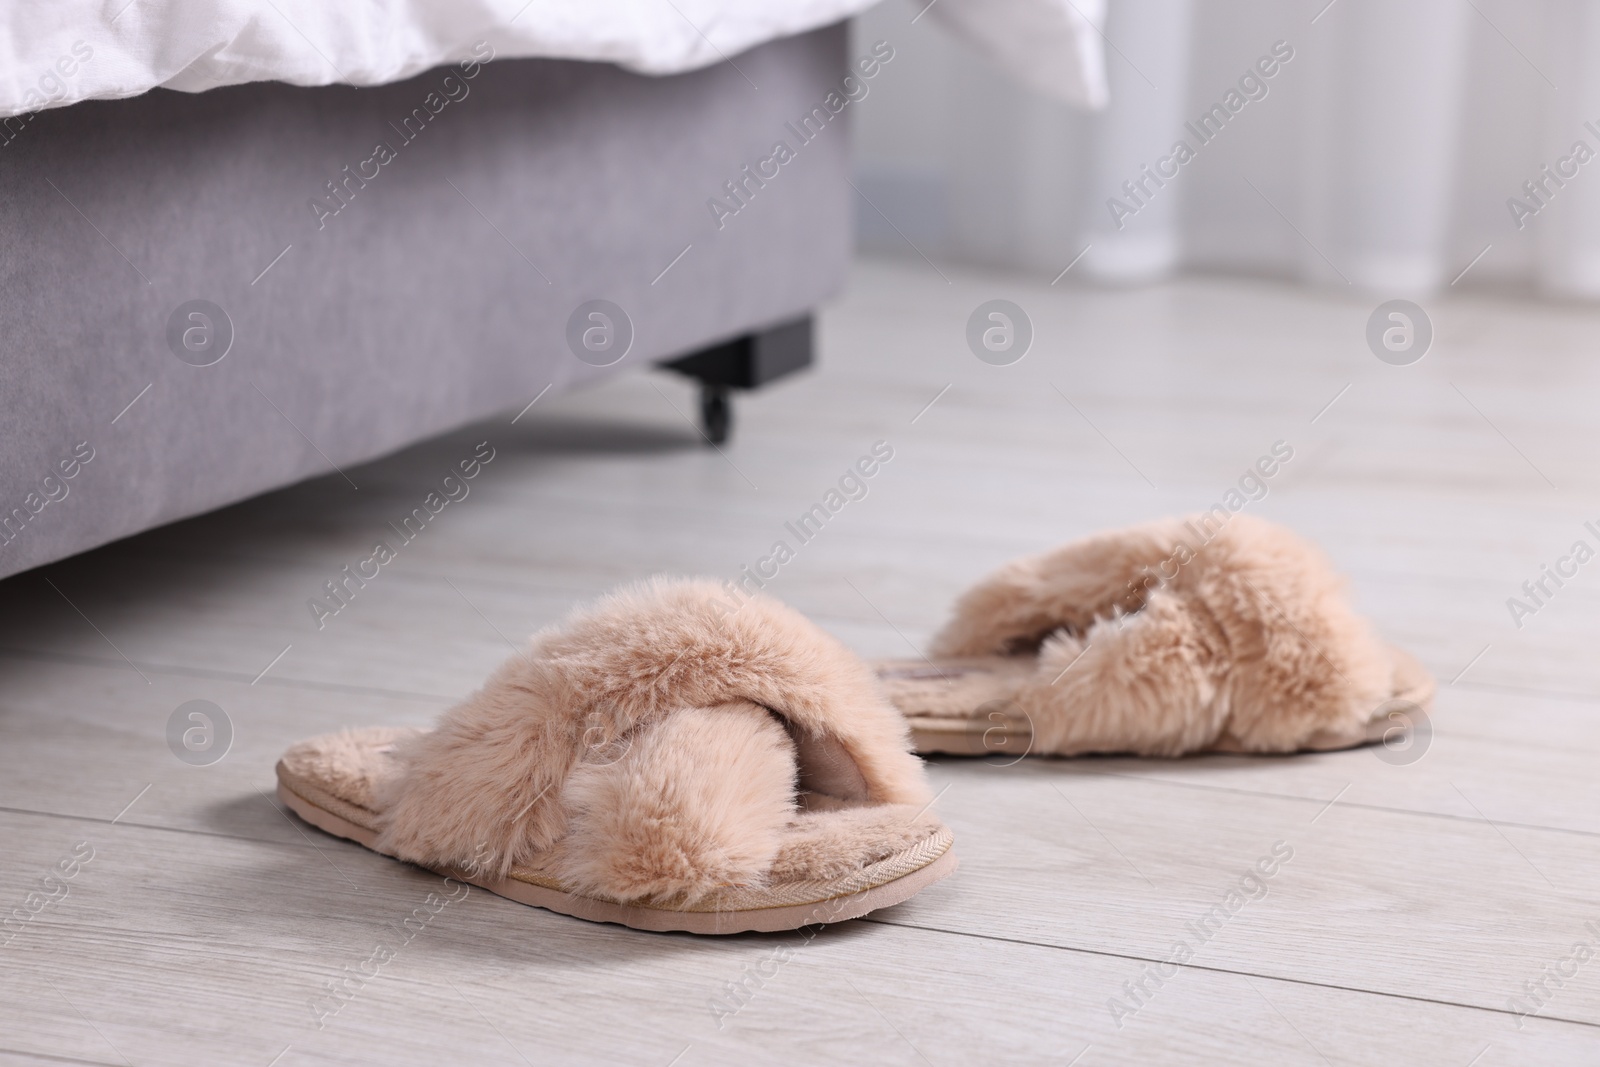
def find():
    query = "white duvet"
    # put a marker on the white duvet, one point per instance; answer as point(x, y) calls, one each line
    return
point(57, 52)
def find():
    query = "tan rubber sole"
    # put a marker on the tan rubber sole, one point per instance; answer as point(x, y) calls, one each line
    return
point(975, 737)
point(828, 909)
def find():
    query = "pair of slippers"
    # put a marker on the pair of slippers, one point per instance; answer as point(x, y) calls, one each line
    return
point(670, 760)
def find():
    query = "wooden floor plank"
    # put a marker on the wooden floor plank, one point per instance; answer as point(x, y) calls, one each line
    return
point(177, 949)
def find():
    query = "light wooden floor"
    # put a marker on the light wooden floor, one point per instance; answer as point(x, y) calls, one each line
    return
point(1419, 898)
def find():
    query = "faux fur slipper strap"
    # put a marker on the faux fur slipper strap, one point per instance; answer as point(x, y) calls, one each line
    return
point(489, 784)
point(1174, 636)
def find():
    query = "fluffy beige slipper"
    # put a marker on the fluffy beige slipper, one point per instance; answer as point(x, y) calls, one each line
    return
point(659, 760)
point(1223, 634)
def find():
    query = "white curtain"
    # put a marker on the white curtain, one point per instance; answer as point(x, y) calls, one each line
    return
point(1398, 147)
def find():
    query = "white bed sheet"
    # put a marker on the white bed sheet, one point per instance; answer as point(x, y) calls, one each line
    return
point(58, 52)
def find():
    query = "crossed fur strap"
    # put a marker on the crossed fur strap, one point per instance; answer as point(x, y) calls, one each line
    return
point(1164, 637)
point(486, 786)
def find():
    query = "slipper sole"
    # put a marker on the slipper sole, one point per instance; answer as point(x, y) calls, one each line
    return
point(889, 881)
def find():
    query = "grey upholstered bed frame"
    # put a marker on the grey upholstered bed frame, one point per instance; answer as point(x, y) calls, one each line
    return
point(438, 293)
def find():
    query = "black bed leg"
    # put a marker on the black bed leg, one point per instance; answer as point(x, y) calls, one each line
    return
point(716, 412)
point(746, 362)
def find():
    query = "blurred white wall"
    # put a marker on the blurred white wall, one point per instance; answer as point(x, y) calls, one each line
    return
point(1382, 155)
